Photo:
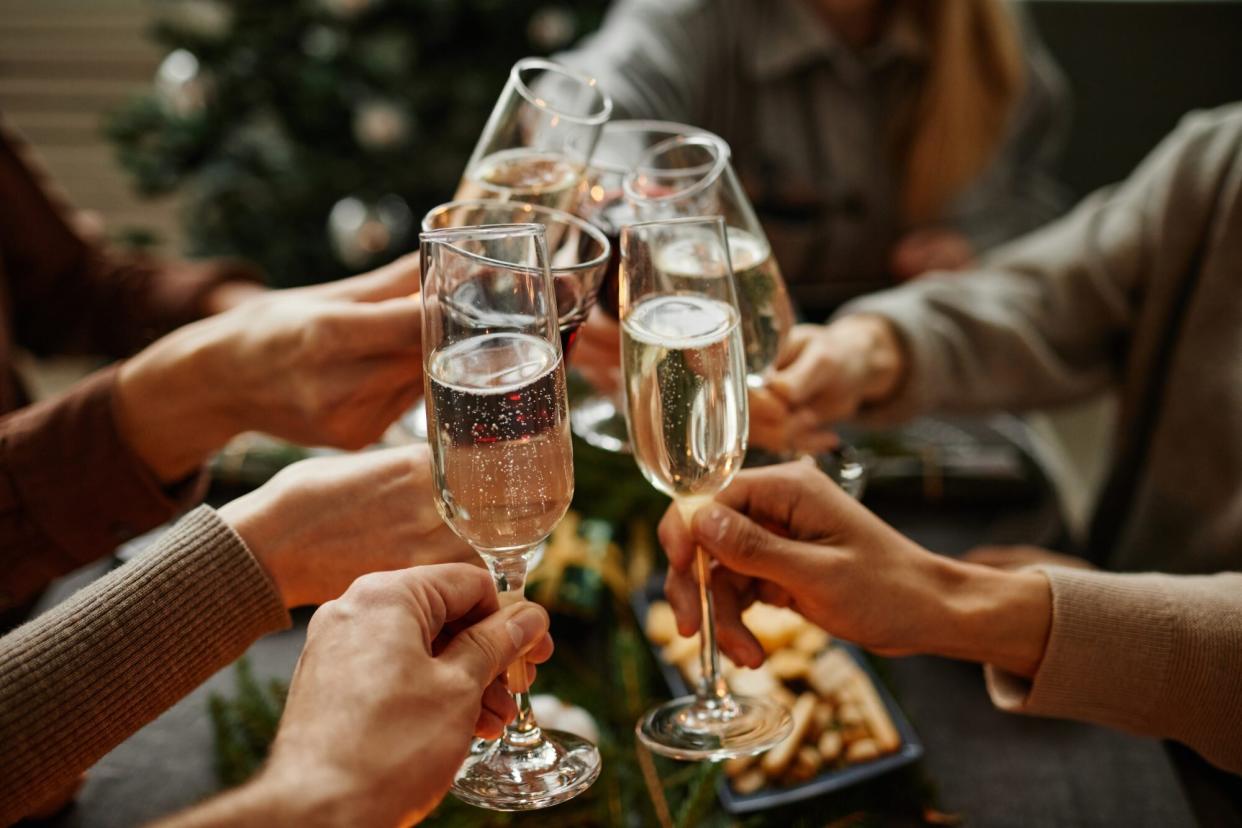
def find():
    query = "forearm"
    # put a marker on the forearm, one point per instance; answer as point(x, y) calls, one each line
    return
point(170, 409)
point(80, 679)
point(262, 802)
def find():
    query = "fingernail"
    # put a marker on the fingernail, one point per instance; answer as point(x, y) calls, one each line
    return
point(713, 522)
point(526, 626)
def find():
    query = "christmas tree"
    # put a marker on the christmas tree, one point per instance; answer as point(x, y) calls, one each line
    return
point(310, 136)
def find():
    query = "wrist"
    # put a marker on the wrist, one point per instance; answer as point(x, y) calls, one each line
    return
point(994, 616)
point(882, 358)
point(168, 409)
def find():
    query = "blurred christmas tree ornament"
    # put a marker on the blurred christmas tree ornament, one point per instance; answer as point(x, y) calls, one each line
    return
point(322, 42)
point(364, 234)
point(552, 27)
point(206, 19)
point(181, 86)
point(380, 125)
point(346, 9)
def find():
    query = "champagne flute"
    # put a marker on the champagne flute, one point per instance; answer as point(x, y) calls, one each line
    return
point(691, 175)
point(685, 396)
point(597, 417)
point(578, 252)
point(539, 138)
point(502, 463)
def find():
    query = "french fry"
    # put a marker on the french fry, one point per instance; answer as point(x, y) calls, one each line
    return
point(806, 764)
point(852, 724)
point(775, 627)
point(661, 626)
point(864, 750)
point(680, 649)
point(831, 671)
point(830, 745)
point(759, 682)
point(789, 665)
point(811, 640)
point(738, 765)
point(821, 720)
point(776, 760)
point(876, 717)
point(750, 781)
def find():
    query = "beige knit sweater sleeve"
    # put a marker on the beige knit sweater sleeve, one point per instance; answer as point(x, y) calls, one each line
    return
point(79, 679)
point(1159, 655)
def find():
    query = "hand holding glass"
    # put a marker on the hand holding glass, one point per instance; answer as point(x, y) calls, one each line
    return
point(685, 396)
point(502, 463)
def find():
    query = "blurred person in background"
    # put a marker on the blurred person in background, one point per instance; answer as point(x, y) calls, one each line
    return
point(124, 450)
point(1137, 289)
point(878, 139)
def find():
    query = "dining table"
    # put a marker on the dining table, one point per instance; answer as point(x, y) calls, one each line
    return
point(987, 767)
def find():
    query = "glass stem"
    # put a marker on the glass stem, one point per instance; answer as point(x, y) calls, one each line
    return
point(712, 688)
point(509, 573)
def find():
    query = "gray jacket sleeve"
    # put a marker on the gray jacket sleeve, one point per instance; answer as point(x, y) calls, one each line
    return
point(1018, 191)
point(1049, 319)
point(652, 57)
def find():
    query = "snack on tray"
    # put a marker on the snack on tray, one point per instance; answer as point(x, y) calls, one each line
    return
point(839, 719)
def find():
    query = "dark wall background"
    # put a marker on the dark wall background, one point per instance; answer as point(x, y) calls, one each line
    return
point(1136, 66)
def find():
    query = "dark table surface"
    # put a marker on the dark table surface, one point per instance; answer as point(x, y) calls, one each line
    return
point(990, 767)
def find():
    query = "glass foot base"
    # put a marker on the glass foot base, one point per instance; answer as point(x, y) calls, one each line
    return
point(691, 730)
point(502, 778)
point(597, 421)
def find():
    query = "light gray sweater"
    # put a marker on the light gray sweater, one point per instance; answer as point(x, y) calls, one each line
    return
point(1140, 287)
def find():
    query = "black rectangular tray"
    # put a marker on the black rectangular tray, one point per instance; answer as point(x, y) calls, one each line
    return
point(911, 749)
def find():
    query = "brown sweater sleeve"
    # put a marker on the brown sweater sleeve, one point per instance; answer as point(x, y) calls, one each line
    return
point(78, 680)
point(72, 293)
point(1159, 655)
point(71, 488)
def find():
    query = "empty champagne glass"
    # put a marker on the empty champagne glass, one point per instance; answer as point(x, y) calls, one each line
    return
point(539, 138)
point(502, 463)
point(685, 396)
point(597, 417)
point(578, 252)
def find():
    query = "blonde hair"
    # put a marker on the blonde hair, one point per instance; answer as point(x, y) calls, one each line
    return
point(975, 76)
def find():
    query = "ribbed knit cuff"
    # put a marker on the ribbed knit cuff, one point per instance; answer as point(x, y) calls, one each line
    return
point(80, 679)
point(1108, 656)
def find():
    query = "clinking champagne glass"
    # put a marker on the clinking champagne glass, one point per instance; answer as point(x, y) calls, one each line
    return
point(597, 418)
point(502, 463)
point(691, 175)
point(539, 138)
point(578, 252)
point(685, 395)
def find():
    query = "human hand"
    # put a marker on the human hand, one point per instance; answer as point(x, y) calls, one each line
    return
point(828, 372)
point(786, 535)
point(321, 523)
point(396, 677)
point(332, 364)
point(597, 352)
point(923, 251)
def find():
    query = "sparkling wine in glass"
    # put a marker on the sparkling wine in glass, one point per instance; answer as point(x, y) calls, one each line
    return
point(598, 417)
point(502, 463)
point(690, 175)
point(539, 138)
point(683, 361)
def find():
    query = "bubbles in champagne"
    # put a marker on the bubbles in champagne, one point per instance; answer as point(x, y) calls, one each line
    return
point(499, 434)
point(544, 178)
point(685, 392)
point(766, 313)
